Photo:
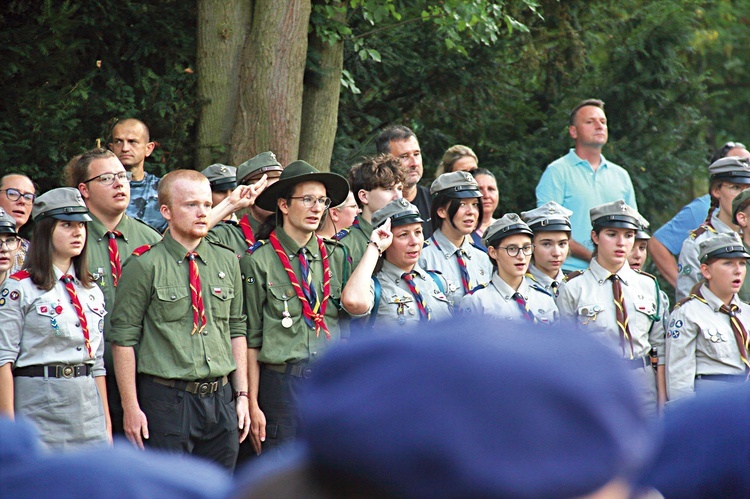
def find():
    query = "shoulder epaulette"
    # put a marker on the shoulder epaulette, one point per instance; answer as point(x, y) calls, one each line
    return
point(683, 301)
point(20, 275)
point(342, 234)
point(540, 288)
point(479, 247)
point(573, 275)
point(142, 249)
point(255, 246)
point(220, 245)
point(642, 272)
point(531, 276)
point(700, 230)
point(427, 242)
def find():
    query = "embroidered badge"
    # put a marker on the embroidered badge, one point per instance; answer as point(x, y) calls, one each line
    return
point(14, 295)
point(101, 325)
point(2, 302)
point(4, 292)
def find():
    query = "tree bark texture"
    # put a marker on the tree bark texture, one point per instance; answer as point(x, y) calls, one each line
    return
point(271, 74)
point(222, 28)
point(320, 103)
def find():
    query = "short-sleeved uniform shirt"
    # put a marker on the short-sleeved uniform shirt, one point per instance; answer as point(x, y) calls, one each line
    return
point(153, 310)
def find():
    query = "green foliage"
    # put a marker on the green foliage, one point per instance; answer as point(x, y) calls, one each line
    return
point(71, 69)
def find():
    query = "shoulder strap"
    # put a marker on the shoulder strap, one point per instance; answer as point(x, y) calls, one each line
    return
point(255, 246)
point(20, 275)
point(541, 289)
point(573, 275)
point(141, 249)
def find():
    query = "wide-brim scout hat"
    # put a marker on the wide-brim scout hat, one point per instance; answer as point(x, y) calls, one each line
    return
point(731, 169)
point(400, 211)
point(550, 217)
point(63, 203)
point(337, 188)
point(740, 203)
point(726, 245)
point(509, 225)
point(617, 214)
point(221, 177)
point(7, 223)
point(456, 185)
point(264, 162)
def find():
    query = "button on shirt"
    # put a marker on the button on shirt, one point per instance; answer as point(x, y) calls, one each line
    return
point(572, 182)
point(700, 341)
point(42, 327)
point(497, 300)
point(587, 300)
point(153, 311)
point(269, 293)
point(688, 265)
point(443, 259)
point(396, 300)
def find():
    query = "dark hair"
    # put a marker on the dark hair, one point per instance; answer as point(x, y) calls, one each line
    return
point(588, 102)
point(482, 171)
point(77, 169)
point(39, 257)
point(723, 150)
point(440, 201)
point(381, 171)
point(395, 132)
point(496, 244)
point(272, 221)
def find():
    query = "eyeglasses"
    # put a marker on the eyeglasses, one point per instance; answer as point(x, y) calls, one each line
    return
point(15, 195)
point(731, 145)
point(11, 243)
point(514, 250)
point(109, 178)
point(309, 201)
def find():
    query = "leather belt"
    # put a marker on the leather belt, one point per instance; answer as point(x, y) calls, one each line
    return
point(54, 371)
point(731, 378)
point(200, 387)
point(302, 370)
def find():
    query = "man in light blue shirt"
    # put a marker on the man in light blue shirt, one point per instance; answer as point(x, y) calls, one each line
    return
point(583, 178)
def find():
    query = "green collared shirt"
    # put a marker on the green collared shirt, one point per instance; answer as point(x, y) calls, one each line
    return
point(153, 311)
point(134, 234)
point(269, 293)
point(229, 233)
point(356, 240)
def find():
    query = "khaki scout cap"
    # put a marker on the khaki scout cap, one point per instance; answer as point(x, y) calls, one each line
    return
point(731, 169)
point(456, 185)
point(221, 177)
point(616, 214)
point(740, 203)
point(7, 223)
point(510, 224)
point(264, 162)
point(63, 203)
point(400, 211)
point(726, 245)
point(548, 218)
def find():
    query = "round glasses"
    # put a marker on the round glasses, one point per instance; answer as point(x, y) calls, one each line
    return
point(513, 250)
point(11, 243)
point(109, 178)
point(15, 195)
point(309, 201)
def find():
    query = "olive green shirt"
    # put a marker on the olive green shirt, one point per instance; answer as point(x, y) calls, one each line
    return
point(153, 311)
point(134, 234)
point(268, 293)
point(356, 240)
point(229, 233)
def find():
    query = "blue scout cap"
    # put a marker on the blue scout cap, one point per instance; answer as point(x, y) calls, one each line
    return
point(221, 177)
point(489, 412)
point(63, 203)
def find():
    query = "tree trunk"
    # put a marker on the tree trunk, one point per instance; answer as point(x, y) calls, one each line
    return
point(320, 103)
point(269, 113)
point(222, 28)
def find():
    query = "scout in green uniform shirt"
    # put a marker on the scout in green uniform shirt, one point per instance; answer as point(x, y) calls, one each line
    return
point(291, 297)
point(179, 302)
point(253, 175)
point(375, 182)
point(111, 237)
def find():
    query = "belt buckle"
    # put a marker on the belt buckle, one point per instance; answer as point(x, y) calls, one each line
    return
point(67, 372)
point(204, 389)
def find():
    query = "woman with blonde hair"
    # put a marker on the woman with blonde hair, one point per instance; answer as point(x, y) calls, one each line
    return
point(456, 159)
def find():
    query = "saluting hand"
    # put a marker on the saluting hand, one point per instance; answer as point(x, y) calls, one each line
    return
point(382, 236)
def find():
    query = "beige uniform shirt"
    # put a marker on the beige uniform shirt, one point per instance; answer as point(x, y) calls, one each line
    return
point(587, 300)
point(536, 276)
point(700, 341)
point(497, 300)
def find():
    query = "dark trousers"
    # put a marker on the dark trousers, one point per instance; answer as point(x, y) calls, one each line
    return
point(182, 422)
point(278, 394)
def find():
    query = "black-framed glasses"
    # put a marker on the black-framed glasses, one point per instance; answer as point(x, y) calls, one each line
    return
point(309, 201)
point(109, 178)
point(10, 243)
point(15, 195)
point(513, 250)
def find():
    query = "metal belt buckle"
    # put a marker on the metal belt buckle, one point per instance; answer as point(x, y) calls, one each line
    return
point(204, 389)
point(307, 373)
point(67, 371)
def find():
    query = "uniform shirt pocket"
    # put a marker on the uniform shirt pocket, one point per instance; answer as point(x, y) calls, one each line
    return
point(221, 299)
point(172, 303)
point(95, 315)
point(587, 315)
point(719, 344)
point(50, 312)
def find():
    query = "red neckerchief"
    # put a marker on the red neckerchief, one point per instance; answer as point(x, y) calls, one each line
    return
point(317, 318)
point(247, 231)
